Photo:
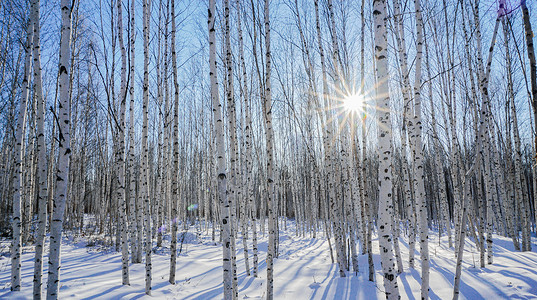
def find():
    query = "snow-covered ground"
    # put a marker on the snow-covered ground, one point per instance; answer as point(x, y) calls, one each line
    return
point(302, 271)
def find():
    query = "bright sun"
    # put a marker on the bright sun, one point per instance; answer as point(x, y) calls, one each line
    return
point(353, 103)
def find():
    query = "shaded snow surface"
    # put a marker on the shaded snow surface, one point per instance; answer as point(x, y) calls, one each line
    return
point(302, 271)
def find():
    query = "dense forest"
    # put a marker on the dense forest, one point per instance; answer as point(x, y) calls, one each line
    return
point(370, 125)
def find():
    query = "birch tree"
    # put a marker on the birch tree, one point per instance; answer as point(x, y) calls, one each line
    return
point(232, 190)
point(175, 184)
point(134, 207)
point(64, 154)
point(120, 152)
point(220, 157)
point(145, 150)
point(41, 152)
point(533, 63)
point(247, 168)
point(419, 179)
point(269, 135)
point(19, 157)
point(385, 150)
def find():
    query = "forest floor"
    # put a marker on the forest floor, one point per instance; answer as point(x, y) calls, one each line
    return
point(302, 271)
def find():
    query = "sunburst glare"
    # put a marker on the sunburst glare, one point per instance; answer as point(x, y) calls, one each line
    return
point(354, 103)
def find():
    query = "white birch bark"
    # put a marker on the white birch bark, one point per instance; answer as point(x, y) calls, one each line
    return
point(145, 190)
point(456, 163)
point(136, 197)
point(249, 193)
point(220, 154)
point(328, 139)
point(16, 251)
point(29, 178)
point(395, 226)
point(339, 233)
point(120, 154)
point(533, 70)
point(419, 179)
point(385, 150)
point(64, 154)
point(162, 124)
point(462, 236)
point(368, 210)
point(41, 154)
point(407, 98)
point(175, 169)
point(362, 175)
point(135, 227)
point(271, 201)
point(232, 190)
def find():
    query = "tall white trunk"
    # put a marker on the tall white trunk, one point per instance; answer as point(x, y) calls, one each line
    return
point(385, 209)
point(145, 195)
point(269, 134)
point(419, 179)
point(462, 236)
point(135, 227)
point(19, 155)
point(64, 154)
point(41, 155)
point(367, 208)
point(120, 153)
point(456, 161)
point(249, 192)
point(342, 135)
point(232, 189)
point(365, 214)
point(328, 139)
point(407, 98)
point(533, 71)
point(175, 169)
point(220, 155)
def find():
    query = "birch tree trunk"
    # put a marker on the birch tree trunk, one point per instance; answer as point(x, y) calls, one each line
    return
point(407, 98)
point(135, 226)
point(328, 139)
point(16, 251)
point(462, 236)
point(41, 154)
point(138, 198)
point(367, 208)
point(339, 233)
point(232, 190)
point(365, 213)
point(175, 183)
point(385, 149)
point(120, 153)
point(64, 154)
point(145, 150)
point(368, 216)
point(419, 179)
point(249, 193)
point(533, 68)
point(267, 110)
point(220, 157)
